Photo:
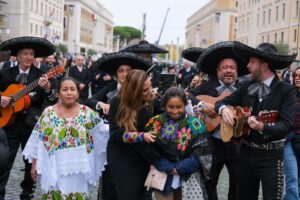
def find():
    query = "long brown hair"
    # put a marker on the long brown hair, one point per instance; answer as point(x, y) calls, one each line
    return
point(131, 99)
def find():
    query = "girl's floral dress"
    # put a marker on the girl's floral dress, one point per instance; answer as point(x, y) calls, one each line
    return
point(70, 153)
point(185, 145)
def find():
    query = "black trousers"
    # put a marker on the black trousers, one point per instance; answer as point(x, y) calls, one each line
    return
point(17, 134)
point(108, 191)
point(255, 166)
point(224, 154)
point(128, 170)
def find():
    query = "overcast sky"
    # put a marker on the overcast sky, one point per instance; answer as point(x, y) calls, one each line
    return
point(130, 13)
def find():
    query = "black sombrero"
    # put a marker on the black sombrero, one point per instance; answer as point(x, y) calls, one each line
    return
point(41, 46)
point(144, 47)
point(266, 52)
point(112, 61)
point(192, 54)
point(211, 56)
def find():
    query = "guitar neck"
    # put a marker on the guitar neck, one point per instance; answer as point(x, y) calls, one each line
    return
point(53, 72)
point(26, 90)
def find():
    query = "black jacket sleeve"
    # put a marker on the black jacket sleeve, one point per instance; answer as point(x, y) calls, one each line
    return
point(116, 133)
point(287, 114)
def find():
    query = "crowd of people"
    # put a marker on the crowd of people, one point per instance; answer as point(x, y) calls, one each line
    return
point(137, 122)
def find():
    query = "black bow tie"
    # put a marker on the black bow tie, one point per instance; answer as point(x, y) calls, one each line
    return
point(224, 87)
point(22, 78)
point(259, 89)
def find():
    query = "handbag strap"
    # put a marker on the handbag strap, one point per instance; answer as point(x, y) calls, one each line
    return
point(151, 178)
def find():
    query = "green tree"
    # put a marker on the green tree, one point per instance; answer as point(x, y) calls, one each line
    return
point(62, 48)
point(283, 49)
point(127, 32)
point(91, 52)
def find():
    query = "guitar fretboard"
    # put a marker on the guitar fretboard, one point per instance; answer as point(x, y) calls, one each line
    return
point(26, 90)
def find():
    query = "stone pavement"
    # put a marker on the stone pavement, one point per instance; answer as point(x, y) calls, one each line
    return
point(13, 188)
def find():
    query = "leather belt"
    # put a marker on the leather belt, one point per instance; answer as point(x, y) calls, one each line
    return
point(267, 146)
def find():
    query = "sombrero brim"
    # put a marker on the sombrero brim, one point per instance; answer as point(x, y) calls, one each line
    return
point(111, 62)
point(41, 46)
point(209, 60)
point(192, 54)
point(144, 48)
point(277, 61)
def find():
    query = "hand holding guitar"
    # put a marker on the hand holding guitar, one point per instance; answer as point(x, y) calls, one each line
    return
point(227, 116)
point(44, 83)
point(255, 124)
point(5, 101)
point(210, 109)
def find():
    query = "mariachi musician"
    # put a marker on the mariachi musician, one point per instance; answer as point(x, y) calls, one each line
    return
point(146, 50)
point(190, 81)
point(261, 153)
point(223, 66)
point(26, 49)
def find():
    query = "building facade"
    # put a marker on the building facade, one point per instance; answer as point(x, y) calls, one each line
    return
point(3, 29)
point(274, 21)
point(41, 18)
point(214, 22)
point(88, 26)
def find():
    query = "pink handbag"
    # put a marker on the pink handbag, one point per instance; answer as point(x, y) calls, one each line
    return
point(155, 179)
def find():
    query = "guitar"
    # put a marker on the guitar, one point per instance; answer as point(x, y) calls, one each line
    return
point(241, 128)
point(264, 117)
point(20, 98)
point(212, 121)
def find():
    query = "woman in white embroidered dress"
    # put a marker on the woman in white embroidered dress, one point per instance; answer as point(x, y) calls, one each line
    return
point(67, 148)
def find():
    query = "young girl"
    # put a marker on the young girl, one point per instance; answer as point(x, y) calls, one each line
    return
point(181, 149)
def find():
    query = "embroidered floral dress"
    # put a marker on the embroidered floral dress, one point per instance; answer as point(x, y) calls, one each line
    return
point(70, 153)
point(182, 144)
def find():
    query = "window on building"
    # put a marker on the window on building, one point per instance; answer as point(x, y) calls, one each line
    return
point(257, 20)
point(268, 38)
point(247, 23)
point(295, 35)
point(235, 19)
point(36, 29)
point(236, 4)
point(275, 38)
point(262, 38)
point(282, 37)
point(264, 17)
point(46, 10)
point(37, 6)
point(243, 25)
point(297, 8)
point(65, 22)
point(41, 31)
point(283, 11)
point(269, 16)
point(277, 10)
point(31, 5)
point(31, 28)
point(42, 8)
